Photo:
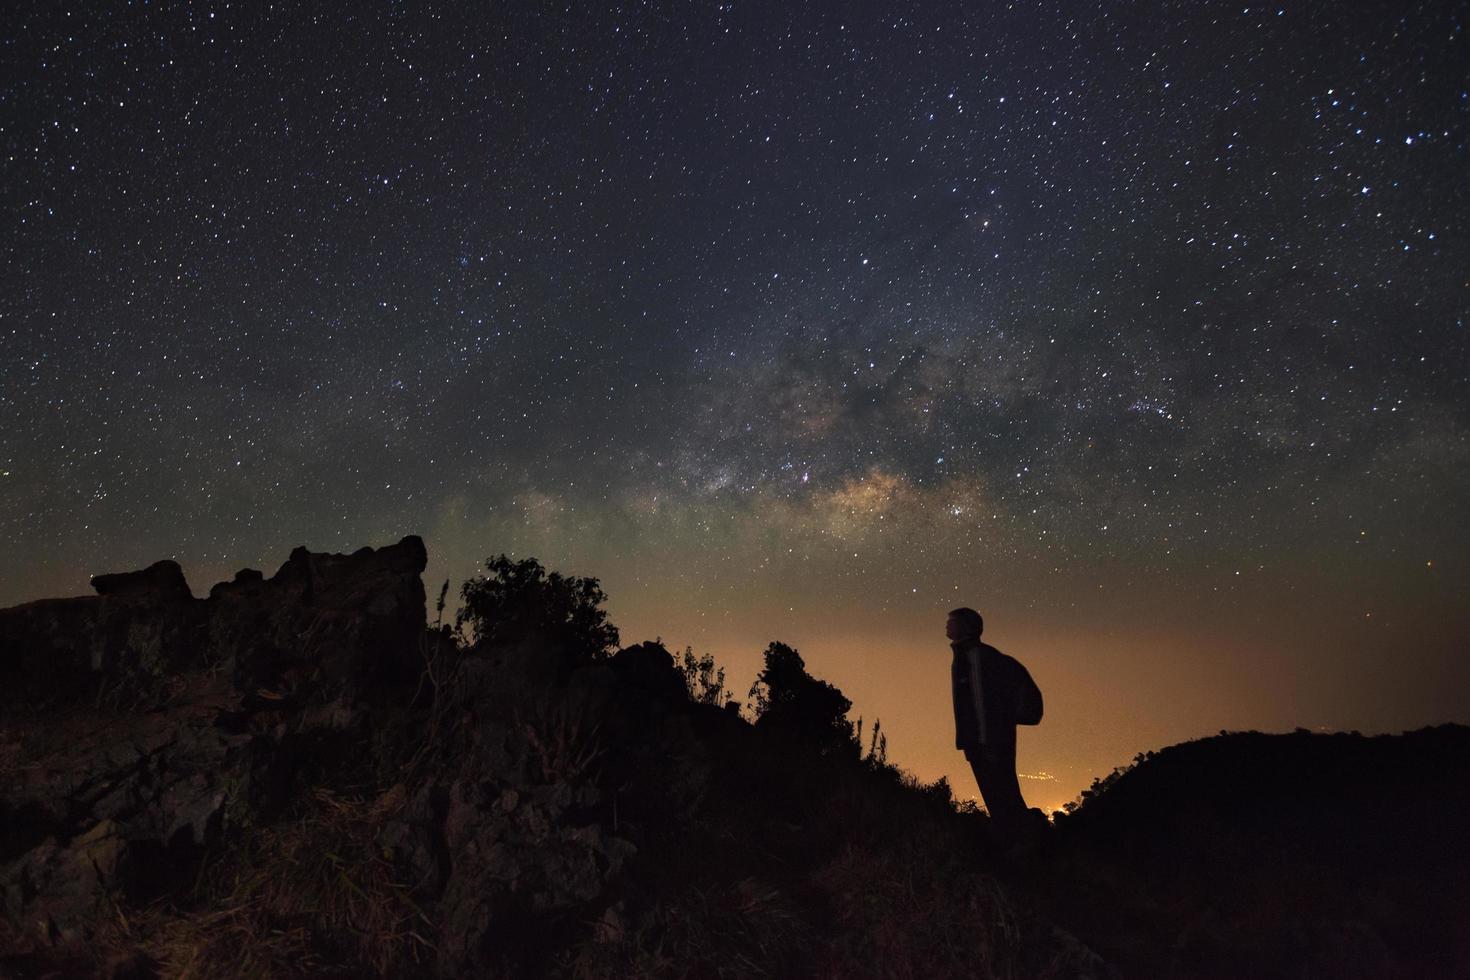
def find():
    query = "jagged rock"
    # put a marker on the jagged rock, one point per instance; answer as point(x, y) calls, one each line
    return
point(514, 855)
point(132, 800)
point(108, 647)
point(106, 801)
point(46, 652)
point(247, 581)
point(352, 621)
point(162, 581)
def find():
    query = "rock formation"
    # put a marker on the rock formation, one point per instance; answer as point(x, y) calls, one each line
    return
point(141, 720)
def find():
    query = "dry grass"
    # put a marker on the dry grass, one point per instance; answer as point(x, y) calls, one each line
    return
point(901, 916)
point(746, 929)
point(562, 741)
point(316, 896)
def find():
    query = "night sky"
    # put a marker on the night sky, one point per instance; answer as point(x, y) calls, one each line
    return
point(1142, 328)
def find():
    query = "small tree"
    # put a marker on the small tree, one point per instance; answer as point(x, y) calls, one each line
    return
point(785, 697)
point(519, 599)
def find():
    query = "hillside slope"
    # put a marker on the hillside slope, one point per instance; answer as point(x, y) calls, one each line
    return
point(299, 776)
point(1295, 855)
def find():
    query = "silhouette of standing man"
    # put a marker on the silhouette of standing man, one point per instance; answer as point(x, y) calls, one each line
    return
point(992, 694)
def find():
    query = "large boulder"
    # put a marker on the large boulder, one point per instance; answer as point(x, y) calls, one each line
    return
point(162, 581)
point(649, 667)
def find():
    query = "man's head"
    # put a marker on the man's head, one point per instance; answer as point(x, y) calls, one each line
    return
point(964, 624)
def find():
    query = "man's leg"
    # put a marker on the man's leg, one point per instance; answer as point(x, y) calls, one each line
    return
point(995, 773)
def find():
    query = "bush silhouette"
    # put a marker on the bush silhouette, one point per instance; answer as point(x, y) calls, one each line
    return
point(787, 699)
point(519, 600)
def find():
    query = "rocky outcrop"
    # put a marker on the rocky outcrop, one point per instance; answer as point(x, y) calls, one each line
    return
point(352, 620)
point(145, 729)
point(140, 721)
point(323, 618)
point(99, 805)
point(162, 581)
point(108, 648)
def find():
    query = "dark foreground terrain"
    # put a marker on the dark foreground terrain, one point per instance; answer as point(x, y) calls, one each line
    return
point(300, 776)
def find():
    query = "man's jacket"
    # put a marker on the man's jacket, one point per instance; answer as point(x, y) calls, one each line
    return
point(990, 689)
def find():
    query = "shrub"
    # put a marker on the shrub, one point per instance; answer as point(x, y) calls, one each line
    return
point(703, 680)
point(520, 599)
point(787, 698)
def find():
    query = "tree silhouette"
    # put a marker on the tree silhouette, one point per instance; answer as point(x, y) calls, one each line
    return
point(519, 599)
point(788, 699)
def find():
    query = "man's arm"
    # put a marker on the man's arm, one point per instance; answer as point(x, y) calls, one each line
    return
point(973, 658)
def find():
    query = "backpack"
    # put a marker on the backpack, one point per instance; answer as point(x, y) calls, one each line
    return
point(1028, 698)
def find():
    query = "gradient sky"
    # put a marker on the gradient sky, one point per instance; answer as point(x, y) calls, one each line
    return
point(1139, 327)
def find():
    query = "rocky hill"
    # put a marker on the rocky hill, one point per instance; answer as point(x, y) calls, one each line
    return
point(300, 776)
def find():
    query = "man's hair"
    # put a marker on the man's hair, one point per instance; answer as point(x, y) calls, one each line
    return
point(969, 617)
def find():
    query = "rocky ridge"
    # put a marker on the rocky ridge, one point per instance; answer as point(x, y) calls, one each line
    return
point(297, 775)
point(300, 776)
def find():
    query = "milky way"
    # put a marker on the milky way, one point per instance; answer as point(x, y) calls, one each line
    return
point(1137, 326)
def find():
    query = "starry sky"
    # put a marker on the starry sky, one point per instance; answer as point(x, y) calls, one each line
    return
point(1140, 327)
